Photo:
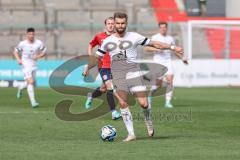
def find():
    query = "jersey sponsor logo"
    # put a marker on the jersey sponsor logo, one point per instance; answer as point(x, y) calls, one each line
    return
point(123, 45)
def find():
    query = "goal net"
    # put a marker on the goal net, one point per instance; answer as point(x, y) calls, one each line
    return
point(213, 50)
point(213, 39)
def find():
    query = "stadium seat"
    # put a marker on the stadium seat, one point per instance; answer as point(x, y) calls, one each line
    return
point(48, 39)
point(5, 18)
point(192, 8)
point(63, 4)
point(9, 41)
point(235, 44)
point(216, 41)
point(20, 4)
point(98, 17)
point(74, 42)
point(215, 8)
point(21, 18)
point(73, 18)
point(168, 10)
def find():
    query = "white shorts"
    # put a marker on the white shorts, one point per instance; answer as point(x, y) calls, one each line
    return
point(169, 69)
point(29, 73)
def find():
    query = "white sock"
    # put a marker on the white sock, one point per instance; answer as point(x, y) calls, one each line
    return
point(23, 85)
point(169, 93)
point(30, 90)
point(90, 96)
point(128, 120)
point(150, 99)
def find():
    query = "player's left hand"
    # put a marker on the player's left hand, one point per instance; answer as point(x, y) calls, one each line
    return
point(185, 61)
point(20, 62)
point(35, 58)
point(85, 72)
point(179, 50)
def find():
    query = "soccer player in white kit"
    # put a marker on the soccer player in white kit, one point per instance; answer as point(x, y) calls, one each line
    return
point(122, 58)
point(164, 57)
point(27, 53)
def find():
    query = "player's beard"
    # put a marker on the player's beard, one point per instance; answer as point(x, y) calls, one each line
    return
point(31, 39)
point(120, 30)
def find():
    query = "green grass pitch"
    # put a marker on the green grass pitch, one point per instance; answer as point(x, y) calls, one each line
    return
point(205, 124)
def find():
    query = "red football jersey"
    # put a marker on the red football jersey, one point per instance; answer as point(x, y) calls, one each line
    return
point(105, 62)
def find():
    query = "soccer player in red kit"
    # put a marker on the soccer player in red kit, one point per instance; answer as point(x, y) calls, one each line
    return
point(104, 67)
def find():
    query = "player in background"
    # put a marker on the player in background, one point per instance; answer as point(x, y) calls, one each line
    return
point(120, 68)
point(164, 57)
point(104, 67)
point(27, 53)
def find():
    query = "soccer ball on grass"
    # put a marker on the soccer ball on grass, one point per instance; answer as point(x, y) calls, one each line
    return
point(108, 133)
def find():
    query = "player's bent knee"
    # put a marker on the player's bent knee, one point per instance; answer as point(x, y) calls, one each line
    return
point(109, 85)
point(30, 81)
point(122, 106)
point(159, 82)
point(170, 79)
point(144, 104)
point(103, 90)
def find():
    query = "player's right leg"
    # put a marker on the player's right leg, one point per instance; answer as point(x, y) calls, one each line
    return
point(169, 91)
point(29, 75)
point(110, 98)
point(107, 80)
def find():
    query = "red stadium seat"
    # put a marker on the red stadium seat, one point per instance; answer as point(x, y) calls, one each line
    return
point(235, 44)
point(166, 9)
point(216, 41)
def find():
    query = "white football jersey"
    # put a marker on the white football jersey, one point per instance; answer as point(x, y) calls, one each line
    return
point(164, 55)
point(126, 45)
point(29, 50)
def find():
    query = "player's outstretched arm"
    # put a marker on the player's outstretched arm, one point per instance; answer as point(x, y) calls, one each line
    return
point(161, 45)
point(151, 49)
point(177, 50)
point(181, 56)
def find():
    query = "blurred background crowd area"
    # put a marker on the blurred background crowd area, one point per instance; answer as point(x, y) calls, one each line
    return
point(66, 26)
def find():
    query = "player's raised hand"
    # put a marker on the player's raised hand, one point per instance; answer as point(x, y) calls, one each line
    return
point(85, 72)
point(20, 62)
